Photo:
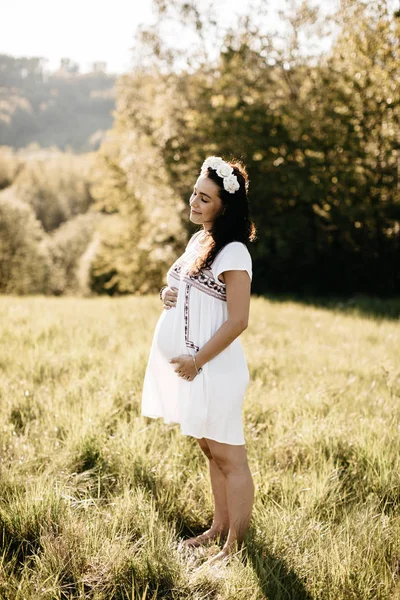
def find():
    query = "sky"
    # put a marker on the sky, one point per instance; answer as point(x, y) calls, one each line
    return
point(87, 30)
point(83, 30)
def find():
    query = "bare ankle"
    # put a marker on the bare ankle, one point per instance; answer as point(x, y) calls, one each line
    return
point(220, 528)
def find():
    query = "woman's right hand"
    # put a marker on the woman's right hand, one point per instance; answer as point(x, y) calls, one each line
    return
point(169, 296)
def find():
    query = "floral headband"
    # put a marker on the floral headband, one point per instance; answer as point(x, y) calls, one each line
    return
point(224, 170)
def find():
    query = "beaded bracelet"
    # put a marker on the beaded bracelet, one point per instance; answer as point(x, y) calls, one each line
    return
point(161, 291)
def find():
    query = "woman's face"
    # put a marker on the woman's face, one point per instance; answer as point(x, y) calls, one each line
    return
point(205, 204)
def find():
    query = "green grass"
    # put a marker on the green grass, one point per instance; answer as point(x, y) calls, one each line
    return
point(94, 498)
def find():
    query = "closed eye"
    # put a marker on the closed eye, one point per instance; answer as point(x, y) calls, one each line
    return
point(205, 201)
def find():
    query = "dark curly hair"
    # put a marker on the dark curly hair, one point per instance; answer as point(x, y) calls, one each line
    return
point(233, 223)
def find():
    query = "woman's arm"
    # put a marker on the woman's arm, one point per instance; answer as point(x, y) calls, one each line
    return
point(238, 286)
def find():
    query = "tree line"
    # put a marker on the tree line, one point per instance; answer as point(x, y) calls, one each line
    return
point(319, 135)
point(63, 108)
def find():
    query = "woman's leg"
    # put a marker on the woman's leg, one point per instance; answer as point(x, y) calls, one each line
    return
point(218, 485)
point(232, 462)
point(220, 524)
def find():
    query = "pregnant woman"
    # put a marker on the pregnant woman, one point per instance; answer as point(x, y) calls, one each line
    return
point(197, 372)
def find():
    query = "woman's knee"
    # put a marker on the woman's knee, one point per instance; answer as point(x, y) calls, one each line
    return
point(205, 447)
point(229, 458)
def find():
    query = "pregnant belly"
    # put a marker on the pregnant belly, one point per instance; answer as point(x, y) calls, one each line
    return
point(167, 333)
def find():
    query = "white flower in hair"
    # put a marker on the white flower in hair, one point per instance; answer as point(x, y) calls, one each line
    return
point(223, 170)
point(231, 184)
point(213, 162)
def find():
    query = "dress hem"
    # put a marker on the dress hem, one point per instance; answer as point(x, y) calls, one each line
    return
point(192, 434)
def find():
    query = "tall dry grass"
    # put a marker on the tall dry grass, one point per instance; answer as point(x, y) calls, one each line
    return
point(94, 498)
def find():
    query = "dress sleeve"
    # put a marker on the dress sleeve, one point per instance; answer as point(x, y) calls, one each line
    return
point(233, 257)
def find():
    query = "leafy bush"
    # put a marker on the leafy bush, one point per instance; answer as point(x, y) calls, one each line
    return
point(9, 166)
point(24, 260)
point(66, 246)
point(57, 187)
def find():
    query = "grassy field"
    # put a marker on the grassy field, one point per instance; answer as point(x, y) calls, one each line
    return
point(94, 498)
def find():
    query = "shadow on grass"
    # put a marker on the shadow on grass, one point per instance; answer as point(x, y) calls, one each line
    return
point(162, 492)
point(276, 580)
point(358, 305)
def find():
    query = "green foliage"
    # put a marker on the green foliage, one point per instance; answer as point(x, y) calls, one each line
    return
point(318, 133)
point(141, 235)
point(56, 185)
point(66, 246)
point(24, 260)
point(56, 189)
point(9, 166)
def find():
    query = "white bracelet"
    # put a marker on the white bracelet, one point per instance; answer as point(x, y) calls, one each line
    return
point(198, 370)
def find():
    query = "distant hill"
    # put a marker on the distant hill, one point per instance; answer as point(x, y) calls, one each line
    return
point(63, 108)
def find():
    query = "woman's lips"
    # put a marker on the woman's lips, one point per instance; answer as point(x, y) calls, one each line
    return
point(195, 212)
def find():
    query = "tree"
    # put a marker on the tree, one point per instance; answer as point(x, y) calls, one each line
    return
point(318, 135)
point(24, 260)
point(138, 240)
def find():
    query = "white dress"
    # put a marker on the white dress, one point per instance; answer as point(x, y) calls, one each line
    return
point(210, 405)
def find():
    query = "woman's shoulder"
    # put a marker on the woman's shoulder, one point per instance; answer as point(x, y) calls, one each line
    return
point(234, 247)
point(233, 256)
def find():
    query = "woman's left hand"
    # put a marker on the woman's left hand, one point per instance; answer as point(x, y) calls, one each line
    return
point(185, 366)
